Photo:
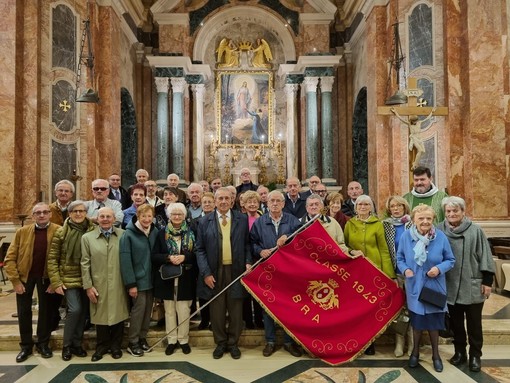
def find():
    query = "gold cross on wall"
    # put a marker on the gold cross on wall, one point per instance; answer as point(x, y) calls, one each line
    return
point(65, 106)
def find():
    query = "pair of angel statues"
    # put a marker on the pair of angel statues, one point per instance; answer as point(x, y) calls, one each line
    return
point(228, 53)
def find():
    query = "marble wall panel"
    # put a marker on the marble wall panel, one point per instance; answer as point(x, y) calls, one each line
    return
point(420, 37)
point(129, 137)
point(315, 39)
point(360, 141)
point(174, 39)
point(63, 105)
point(63, 33)
point(63, 161)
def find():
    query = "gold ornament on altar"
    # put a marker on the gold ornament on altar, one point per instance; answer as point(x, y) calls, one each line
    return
point(227, 54)
point(230, 54)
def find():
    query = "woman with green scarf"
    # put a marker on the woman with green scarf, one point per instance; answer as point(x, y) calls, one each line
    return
point(176, 245)
point(64, 271)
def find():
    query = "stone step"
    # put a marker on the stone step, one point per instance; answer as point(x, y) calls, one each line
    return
point(496, 332)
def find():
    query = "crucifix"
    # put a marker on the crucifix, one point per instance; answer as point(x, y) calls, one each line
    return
point(415, 107)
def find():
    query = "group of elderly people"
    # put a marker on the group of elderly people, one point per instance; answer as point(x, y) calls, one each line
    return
point(453, 259)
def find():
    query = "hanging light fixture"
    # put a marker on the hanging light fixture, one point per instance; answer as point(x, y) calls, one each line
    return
point(89, 95)
point(397, 62)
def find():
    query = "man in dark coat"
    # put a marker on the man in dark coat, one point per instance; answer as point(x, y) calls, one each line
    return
point(223, 254)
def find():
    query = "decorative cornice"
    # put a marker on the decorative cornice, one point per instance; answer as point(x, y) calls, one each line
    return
point(172, 18)
point(180, 62)
point(316, 18)
point(305, 62)
point(324, 6)
point(164, 6)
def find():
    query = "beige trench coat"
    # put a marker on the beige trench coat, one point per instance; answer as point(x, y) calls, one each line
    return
point(100, 267)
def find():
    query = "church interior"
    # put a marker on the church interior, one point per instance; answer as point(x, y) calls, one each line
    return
point(204, 88)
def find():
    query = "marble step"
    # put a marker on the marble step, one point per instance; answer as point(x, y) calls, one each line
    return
point(496, 332)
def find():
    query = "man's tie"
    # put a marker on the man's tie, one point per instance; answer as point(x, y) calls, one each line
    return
point(224, 220)
point(100, 205)
point(117, 194)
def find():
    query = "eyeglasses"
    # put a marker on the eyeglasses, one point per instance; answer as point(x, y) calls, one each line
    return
point(176, 214)
point(78, 211)
point(320, 191)
point(99, 188)
point(42, 212)
point(151, 186)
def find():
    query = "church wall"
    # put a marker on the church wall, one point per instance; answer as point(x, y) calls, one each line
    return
point(9, 38)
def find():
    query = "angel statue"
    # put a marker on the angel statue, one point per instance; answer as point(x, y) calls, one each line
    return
point(262, 55)
point(227, 54)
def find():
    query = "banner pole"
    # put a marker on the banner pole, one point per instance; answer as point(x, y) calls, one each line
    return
point(291, 237)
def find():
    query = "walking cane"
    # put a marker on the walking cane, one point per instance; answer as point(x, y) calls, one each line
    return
point(273, 250)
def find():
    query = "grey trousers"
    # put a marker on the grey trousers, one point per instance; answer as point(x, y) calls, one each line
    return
point(74, 326)
point(140, 316)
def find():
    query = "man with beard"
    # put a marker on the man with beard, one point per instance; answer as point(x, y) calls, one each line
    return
point(424, 191)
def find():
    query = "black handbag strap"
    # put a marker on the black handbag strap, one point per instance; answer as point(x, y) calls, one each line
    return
point(427, 279)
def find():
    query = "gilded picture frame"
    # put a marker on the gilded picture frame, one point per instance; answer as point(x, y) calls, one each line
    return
point(244, 107)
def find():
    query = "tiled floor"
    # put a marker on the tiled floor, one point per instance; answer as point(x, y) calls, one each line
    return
point(253, 367)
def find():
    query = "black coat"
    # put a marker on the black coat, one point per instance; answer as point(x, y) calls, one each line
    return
point(164, 289)
point(209, 252)
point(125, 198)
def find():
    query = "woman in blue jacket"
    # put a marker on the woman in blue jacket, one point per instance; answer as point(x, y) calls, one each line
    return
point(424, 256)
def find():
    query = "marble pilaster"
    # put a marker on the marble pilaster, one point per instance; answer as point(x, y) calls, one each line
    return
point(162, 85)
point(198, 136)
point(292, 153)
point(326, 127)
point(478, 120)
point(28, 124)
point(178, 87)
point(312, 136)
point(107, 123)
point(381, 167)
point(8, 111)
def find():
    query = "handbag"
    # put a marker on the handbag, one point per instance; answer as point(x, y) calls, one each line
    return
point(170, 271)
point(431, 296)
point(158, 310)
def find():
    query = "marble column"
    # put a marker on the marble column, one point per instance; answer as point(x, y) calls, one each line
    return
point(162, 141)
point(198, 136)
point(326, 127)
point(312, 136)
point(178, 86)
point(292, 154)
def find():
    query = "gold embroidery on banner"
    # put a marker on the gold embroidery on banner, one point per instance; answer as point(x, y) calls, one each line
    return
point(323, 294)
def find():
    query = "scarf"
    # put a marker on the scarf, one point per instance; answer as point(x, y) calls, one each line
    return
point(398, 221)
point(145, 231)
point(420, 249)
point(72, 239)
point(433, 190)
point(187, 238)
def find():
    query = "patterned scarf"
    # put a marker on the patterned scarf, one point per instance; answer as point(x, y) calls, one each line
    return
point(420, 249)
point(187, 238)
point(398, 221)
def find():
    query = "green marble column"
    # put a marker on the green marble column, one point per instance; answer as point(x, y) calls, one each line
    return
point(312, 131)
point(162, 141)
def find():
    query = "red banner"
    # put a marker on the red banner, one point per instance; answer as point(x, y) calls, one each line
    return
point(333, 305)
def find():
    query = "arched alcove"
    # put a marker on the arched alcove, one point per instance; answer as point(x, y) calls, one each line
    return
point(128, 131)
point(360, 140)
